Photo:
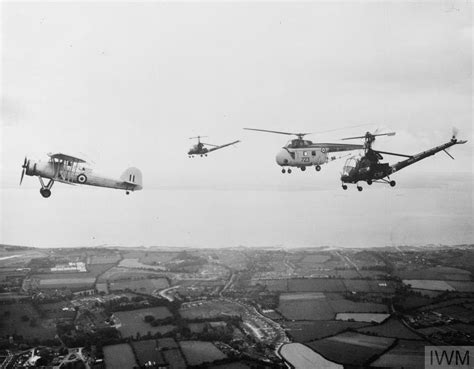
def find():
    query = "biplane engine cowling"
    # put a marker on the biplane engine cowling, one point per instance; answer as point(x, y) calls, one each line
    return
point(133, 176)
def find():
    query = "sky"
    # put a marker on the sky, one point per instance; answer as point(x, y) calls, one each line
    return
point(126, 84)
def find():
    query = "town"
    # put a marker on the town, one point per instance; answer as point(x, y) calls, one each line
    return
point(117, 307)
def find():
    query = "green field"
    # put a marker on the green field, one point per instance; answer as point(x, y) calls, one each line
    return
point(351, 348)
point(24, 320)
point(117, 273)
point(131, 322)
point(119, 356)
point(392, 327)
point(428, 284)
point(147, 352)
point(199, 352)
point(305, 331)
point(300, 356)
point(405, 354)
point(362, 317)
point(145, 286)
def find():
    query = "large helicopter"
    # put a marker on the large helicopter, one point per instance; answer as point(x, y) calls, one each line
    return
point(368, 168)
point(200, 149)
point(302, 153)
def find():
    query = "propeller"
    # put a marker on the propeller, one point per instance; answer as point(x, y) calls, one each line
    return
point(24, 166)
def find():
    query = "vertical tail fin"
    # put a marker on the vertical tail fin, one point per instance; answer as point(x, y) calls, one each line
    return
point(133, 176)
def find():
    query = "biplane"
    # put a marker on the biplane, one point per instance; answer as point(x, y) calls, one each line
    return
point(201, 149)
point(71, 170)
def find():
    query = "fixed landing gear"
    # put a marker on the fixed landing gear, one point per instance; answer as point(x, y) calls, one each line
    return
point(359, 188)
point(344, 187)
point(369, 182)
point(303, 169)
point(45, 191)
point(127, 192)
point(393, 183)
point(284, 171)
point(318, 168)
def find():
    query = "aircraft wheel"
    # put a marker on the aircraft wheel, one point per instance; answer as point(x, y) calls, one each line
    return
point(127, 192)
point(45, 193)
point(318, 168)
point(303, 169)
point(344, 187)
point(205, 154)
point(369, 182)
point(283, 170)
point(289, 170)
point(392, 183)
point(359, 188)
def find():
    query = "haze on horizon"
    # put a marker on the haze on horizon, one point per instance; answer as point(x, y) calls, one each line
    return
point(127, 84)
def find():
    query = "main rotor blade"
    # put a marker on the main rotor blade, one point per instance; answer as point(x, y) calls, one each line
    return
point(196, 137)
point(279, 132)
point(364, 136)
point(209, 144)
point(393, 153)
point(22, 174)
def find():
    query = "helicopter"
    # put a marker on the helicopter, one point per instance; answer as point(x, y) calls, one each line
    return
point(302, 153)
point(368, 168)
point(200, 149)
point(71, 170)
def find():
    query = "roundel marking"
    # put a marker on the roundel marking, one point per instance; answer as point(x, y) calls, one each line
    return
point(81, 178)
point(323, 150)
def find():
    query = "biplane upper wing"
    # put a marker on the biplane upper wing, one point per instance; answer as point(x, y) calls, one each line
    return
point(65, 157)
point(335, 147)
point(222, 146)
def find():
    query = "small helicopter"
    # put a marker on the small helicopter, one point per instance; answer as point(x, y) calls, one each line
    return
point(71, 170)
point(369, 169)
point(303, 153)
point(200, 149)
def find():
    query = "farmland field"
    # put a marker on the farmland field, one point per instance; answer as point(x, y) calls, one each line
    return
point(67, 282)
point(24, 320)
point(304, 331)
point(199, 352)
point(174, 358)
point(446, 273)
point(104, 259)
point(305, 306)
point(146, 286)
point(211, 310)
point(119, 356)
point(316, 285)
point(462, 286)
point(428, 284)
point(302, 357)
point(147, 351)
point(116, 273)
point(351, 348)
point(363, 317)
point(132, 322)
point(392, 327)
point(315, 259)
point(318, 306)
point(135, 263)
point(405, 354)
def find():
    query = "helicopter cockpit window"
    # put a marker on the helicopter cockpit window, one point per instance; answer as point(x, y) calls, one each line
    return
point(305, 153)
point(349, 165)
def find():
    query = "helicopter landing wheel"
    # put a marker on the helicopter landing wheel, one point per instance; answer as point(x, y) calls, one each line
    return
point(127, 192)
point(393, 183)
point(45, 193)
point(283, 170)
point(369, 182)
point(205, 154)
point(344, 187)
point(303, 169)
point(359, 188)
point(318, 168)
point(289, 171)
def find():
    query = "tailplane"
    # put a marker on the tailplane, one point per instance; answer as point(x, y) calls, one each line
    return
point(133, 177)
